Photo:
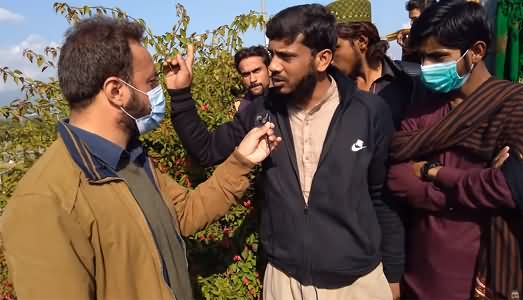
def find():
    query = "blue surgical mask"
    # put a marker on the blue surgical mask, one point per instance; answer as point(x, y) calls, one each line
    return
point(444, 77)
point(154, 118)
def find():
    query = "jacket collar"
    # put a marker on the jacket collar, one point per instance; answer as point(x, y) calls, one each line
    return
point(391, 68)
point(94, 169)
point(346, 86)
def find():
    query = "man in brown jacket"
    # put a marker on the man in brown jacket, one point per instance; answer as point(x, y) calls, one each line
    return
point(93, 218)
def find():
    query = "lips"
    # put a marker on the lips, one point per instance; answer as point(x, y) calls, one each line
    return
point(276, 81)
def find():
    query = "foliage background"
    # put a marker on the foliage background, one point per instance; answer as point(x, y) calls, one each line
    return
point(225, 257)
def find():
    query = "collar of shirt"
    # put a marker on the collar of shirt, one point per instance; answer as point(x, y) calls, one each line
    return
point(389, 72)
point(111, 154)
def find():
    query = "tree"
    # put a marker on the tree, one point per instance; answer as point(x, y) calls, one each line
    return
point(223, 256)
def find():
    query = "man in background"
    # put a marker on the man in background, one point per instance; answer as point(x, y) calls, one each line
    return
point(253, 65)
point(414, 8)
point(361, 54)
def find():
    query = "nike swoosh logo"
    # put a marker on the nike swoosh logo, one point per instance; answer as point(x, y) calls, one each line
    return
point(358, 146)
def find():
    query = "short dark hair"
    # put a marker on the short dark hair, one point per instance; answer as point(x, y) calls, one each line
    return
point(377, 48)
point(455, 24)
point(250, 52)
point(417, 4)
point(95, 49)
point(314, 21)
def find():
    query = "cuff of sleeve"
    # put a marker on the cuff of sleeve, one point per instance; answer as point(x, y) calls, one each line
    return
point(234, 173)
point(181, 99)
point(448, 177)
point(240, 162)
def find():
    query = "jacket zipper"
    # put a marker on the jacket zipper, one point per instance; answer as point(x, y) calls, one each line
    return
point(306, 251)
point(308, 264)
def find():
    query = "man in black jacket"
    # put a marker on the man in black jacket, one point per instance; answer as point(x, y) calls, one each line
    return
point(325, 226)
point(362, 56)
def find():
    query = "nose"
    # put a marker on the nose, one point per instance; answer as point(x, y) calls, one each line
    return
point(275, 66)
point(252, 78)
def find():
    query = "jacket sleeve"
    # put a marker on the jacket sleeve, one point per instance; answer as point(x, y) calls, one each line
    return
point(48, 255)
point(212, 198)
point(207, 148)
point(392, 228)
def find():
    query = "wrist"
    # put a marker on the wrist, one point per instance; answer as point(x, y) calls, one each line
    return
point(433, 173)
point(429, 171)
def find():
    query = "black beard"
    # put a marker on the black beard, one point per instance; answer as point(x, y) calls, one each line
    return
point(303, 90)
point(134, 109)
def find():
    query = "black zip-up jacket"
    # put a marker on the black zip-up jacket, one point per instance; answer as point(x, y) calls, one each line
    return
point(347, 228)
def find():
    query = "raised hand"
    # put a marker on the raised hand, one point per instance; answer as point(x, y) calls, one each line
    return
point(178, 70)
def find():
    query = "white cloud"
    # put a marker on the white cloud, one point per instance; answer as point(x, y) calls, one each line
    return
point(7, 16)
point(12, 57)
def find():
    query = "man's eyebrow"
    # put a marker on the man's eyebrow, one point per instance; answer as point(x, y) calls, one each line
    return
point(251, 71)
point(284, 53)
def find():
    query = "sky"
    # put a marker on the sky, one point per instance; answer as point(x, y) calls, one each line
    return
point(33, 24)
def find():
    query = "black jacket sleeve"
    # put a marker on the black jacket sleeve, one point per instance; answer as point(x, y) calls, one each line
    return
point(392, 228)
point(207, 148)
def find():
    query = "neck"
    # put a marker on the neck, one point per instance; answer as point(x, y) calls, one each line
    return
point(479, 75)
point(88, 121)
point(321, 88)
point(368, 75)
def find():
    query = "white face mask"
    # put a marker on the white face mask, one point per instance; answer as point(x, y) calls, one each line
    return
point(155, 117)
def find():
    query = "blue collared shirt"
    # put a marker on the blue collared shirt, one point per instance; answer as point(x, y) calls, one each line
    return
point(111, 154)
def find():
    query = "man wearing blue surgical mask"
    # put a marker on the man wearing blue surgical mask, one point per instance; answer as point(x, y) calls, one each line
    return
point(457, 163)
point(93, 218)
